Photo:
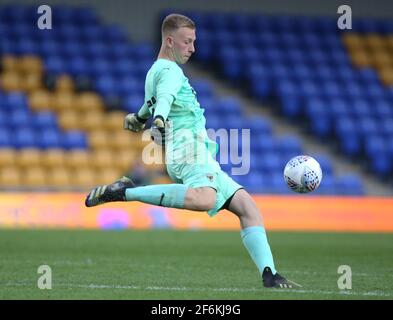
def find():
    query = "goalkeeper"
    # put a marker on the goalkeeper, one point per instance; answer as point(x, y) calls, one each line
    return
point(179, 126)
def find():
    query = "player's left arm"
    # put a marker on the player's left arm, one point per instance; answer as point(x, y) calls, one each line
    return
point(168, 85)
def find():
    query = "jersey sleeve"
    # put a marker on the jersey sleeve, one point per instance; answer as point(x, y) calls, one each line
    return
point(169, 82)
point(144, 111)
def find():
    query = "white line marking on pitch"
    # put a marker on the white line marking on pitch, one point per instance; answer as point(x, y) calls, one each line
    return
point(158, 288)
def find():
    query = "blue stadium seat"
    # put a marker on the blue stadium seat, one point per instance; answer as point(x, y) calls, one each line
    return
point(350, 144)
point(100, 67)
point(325, 163)
point(374, 145)
point(71, 49)
point(209, 105)
point(127, 85)
point(143, 51)
point(349, 184)
point(255, 182)
point(20, 119)
point(289, 145)
point(49, 138)
point(105, 85)
point(327, 186)
point(228, 105)
point(5, 138)
point(24, 138)
point(258, 125)
point(132, 102)
point(16, 101)
point(44, 119)
point(386, 126)
point(55, 65)
point(74, 140)
point(264, 144)
point(203, 88)
point(4, 119)
point(79, 66)
point(123, 67)
point(382, 109)
point(367, 127)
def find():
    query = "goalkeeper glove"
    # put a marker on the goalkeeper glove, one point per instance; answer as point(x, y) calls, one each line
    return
point(157, 130)
point(133, 122)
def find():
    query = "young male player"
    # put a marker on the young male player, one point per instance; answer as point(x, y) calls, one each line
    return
point(179, 126)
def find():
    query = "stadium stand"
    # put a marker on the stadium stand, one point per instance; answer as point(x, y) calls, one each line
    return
point(54, 134)
point(340, 83)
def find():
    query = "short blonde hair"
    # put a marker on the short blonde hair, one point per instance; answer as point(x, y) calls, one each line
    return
point(175, 21)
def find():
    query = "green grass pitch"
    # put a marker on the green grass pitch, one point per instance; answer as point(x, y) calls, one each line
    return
point(168, 264)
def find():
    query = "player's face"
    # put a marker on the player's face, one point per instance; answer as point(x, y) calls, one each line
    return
point(182, 44)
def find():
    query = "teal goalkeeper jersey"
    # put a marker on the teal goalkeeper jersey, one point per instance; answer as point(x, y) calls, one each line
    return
point(166, 77)
point(185, 114)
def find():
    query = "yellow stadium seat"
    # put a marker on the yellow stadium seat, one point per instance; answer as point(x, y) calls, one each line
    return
point(92, 120)
point(114, 120)
point(29, 157)
point(84, 178)
point(121, 139)
point(10, 177)
point(69, 119)
point(59, 178)
point(98, 139)
point(10, 63)
point(7, 157)
point(141, 140)
point(77, 159)
point(381, 60)
point(108, 175)
point(389, 43)
point(34, 177)
point(374, 42)
point(11, 81)
point(89, 102)
point(53, 158)
point(41, 100)
point(64, 83)
point(64, 101)
point(32, 82)
point(386, 76)
point(161, 179)
point(30, 64)
point(361, 59)
point(353, 41)
point(125, 160)
point(102, 159)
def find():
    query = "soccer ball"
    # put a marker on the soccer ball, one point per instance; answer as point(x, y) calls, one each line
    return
point(303, 174)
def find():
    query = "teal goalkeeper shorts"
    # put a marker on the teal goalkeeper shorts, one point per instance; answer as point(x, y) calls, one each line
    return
point(205, 175)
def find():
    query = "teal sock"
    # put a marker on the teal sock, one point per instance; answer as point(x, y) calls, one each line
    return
point(165, 195)
point(255, 241)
